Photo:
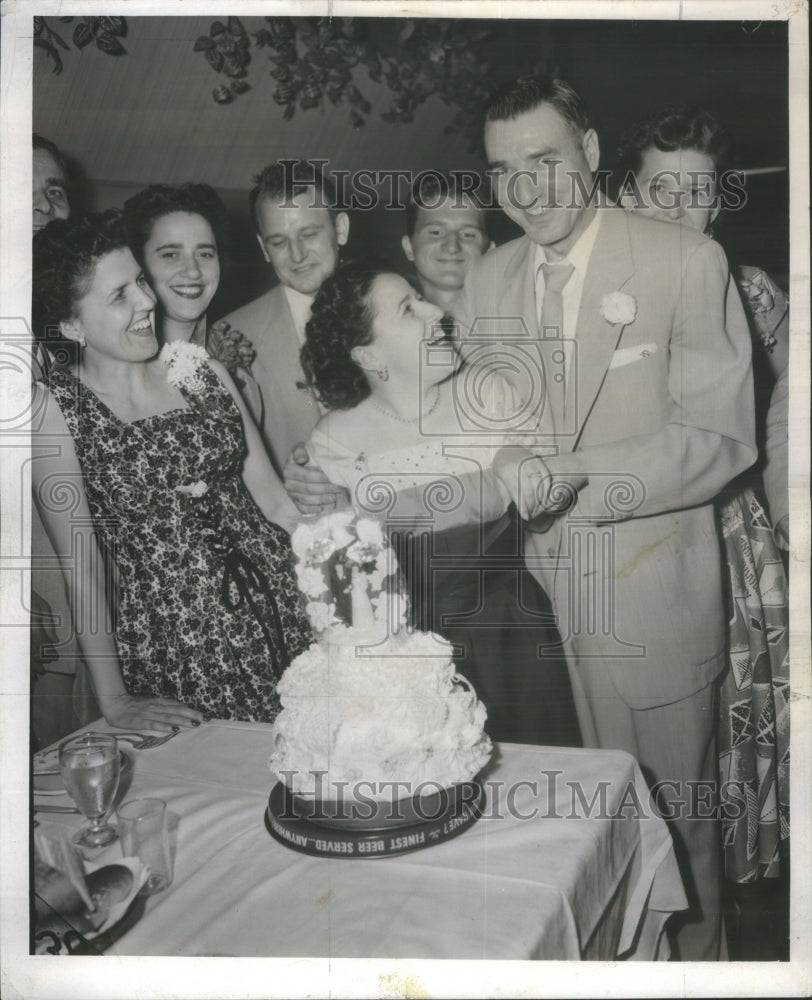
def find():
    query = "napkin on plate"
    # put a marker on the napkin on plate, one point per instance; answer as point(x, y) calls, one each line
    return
point(91, 896)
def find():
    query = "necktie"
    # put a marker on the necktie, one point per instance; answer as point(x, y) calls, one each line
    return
point(554, 350)
point(556, 276)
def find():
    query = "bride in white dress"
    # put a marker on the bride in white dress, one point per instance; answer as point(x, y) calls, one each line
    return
point(412, 435)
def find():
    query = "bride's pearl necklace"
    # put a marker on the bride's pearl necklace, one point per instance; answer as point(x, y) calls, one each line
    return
point(407, 420)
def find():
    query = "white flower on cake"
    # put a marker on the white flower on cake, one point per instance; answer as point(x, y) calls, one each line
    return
point(312, 543)
point(183, 362)
point(369, 531)
point(618, 308)
point(303, 535)
point(311, 581)
point(362, 552)
point(339, 521)
point(321, 615)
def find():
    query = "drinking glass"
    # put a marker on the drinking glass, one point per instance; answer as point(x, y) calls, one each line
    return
point(90, 766)
point(142, 824)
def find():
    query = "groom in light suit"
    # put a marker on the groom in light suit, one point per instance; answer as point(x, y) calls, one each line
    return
point(628, 339)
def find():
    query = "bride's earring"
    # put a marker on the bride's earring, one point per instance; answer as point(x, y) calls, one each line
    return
point(81, 341)
point(383, 374)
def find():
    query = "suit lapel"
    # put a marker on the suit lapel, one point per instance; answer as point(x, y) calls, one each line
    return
point(610, 267)
point(518, 296)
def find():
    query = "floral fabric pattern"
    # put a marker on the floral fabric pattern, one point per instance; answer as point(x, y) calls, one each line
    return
point(208, 609)
point(754, 702)
point(766, 304)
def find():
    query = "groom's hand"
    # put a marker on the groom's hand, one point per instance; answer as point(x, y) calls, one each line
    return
point(308, 487)
point(523, 475)
point(532, 486)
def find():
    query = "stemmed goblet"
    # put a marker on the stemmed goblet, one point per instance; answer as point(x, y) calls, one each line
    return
point(90, 765)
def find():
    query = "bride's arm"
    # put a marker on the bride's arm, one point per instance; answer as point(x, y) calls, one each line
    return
point(57, 475)
point(258, 473)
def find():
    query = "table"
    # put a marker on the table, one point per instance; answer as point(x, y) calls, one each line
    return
point(567, 862)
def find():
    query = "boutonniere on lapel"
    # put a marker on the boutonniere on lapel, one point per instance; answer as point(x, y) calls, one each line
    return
point(618, 308)
point(183, 362)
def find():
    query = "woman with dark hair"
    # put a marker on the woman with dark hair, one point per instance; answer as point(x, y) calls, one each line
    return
point(178, 235)
point(674, 163)
point(407, 430)
point(151, 465)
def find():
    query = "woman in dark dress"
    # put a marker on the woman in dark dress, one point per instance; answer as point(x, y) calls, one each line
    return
point(393, 435)
point(148, 463)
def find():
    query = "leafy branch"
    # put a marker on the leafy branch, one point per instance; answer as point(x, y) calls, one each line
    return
point(227, 49)
point(104, 31)
point(315, 60)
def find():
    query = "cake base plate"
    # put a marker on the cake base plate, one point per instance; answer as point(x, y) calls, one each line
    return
point(306, 835)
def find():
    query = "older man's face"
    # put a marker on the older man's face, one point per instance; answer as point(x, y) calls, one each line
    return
point(50, 193)
point(300, 240)
point(536, 161)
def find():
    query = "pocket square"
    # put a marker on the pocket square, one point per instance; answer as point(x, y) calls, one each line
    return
point(628, 355)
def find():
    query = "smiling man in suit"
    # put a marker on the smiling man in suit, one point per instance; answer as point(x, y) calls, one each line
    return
point(299, 232)
point(629, 336)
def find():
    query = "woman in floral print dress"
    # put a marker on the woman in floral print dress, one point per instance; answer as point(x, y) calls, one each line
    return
point(150, 465)
point(677, 159)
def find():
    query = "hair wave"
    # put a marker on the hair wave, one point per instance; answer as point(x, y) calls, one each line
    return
point(341, 319)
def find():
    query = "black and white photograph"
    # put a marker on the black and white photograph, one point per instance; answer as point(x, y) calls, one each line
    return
point(404, 432)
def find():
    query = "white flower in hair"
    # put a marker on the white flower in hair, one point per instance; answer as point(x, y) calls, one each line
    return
point(618, 308)
point(183, 362)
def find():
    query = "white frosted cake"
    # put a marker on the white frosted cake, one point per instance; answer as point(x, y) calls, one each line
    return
point(370, 710)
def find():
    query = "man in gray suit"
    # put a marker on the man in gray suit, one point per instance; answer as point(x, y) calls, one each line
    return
point(644, 405)
point(299, 233)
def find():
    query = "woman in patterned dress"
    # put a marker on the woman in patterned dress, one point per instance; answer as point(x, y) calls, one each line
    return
point(676, 160)
point(178, 235)
point(149, 464)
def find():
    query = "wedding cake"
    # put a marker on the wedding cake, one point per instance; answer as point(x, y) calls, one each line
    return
point(372, 712)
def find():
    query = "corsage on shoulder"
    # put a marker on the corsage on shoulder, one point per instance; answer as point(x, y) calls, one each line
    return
point(618, 308)
point(230, 347)
point(183, 362)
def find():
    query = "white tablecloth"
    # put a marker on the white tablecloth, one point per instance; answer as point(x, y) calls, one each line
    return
point(578, 878)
